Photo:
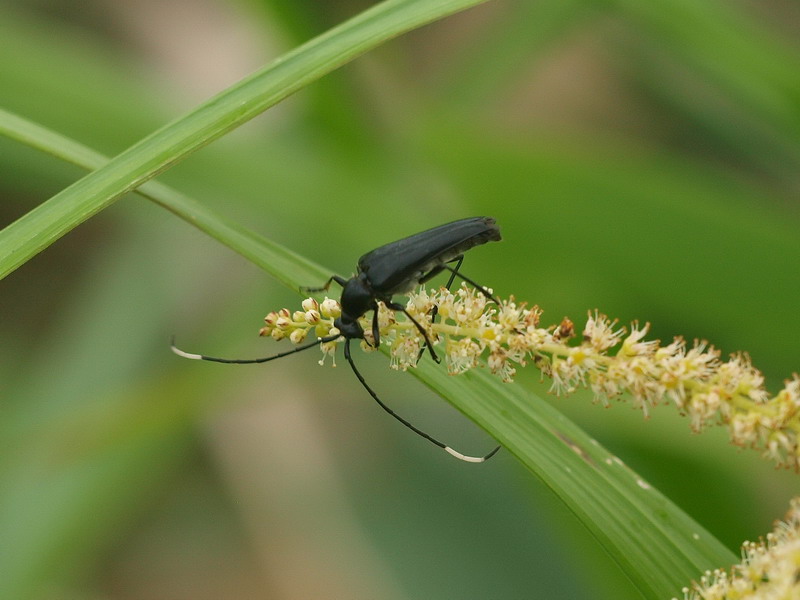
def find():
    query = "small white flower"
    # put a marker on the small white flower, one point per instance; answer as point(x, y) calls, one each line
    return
point(405, 352)
point(599, 332)
point(462, 355)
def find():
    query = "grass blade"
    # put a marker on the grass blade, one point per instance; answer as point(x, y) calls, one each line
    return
point(289, 268)
point(241, 102)
point(658, 546)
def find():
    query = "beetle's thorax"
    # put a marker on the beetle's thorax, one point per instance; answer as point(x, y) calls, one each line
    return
point(357, 298)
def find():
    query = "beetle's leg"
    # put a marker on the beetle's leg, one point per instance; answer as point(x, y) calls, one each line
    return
point(431, 274)
point(455, 273)
point(376, 331)
point(340, 280)
point(435, 271)
point(433, 440)
point(438, 269)
point(395, 306)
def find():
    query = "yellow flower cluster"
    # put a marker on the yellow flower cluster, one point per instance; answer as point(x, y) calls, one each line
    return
point(768, 568)
point(606, 358)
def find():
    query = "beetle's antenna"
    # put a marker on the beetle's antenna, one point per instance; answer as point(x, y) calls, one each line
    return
point(433, 440)
point(249, 361)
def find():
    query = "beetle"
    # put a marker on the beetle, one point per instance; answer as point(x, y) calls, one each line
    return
point(389, 270)
point(398, 267)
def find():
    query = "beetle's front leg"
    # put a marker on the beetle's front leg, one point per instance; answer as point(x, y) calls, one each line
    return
point(340, 280)
point(376, 330)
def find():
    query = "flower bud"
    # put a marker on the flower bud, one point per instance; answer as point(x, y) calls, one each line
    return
point(298, 335)
point(310, 304)
point(330, 308)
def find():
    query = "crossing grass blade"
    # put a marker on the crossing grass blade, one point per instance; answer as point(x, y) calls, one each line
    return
point(231, 108)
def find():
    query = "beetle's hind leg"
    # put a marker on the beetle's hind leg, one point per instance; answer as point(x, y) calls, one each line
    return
point(433, 273)
point(454, 272)
point(435, 310)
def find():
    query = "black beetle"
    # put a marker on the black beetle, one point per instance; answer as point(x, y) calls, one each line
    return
point(392, 269)
point(398, 267)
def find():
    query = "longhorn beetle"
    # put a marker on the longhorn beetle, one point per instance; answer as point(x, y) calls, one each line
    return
point(396, 268)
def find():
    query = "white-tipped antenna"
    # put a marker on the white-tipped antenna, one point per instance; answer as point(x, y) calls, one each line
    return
point(419, 432)
point(250, 361)
point(472, 459)
point(180, 352)
point(330, 338)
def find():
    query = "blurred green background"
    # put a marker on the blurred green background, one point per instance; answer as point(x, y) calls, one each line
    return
point(641, 158)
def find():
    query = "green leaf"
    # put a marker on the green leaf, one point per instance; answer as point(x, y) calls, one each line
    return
point(283, 264)
point(752, 64)
point(656, 544)
point(172, 143)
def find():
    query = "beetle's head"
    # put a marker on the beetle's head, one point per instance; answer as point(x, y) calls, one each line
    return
point(349, 328)
point(357, 298)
